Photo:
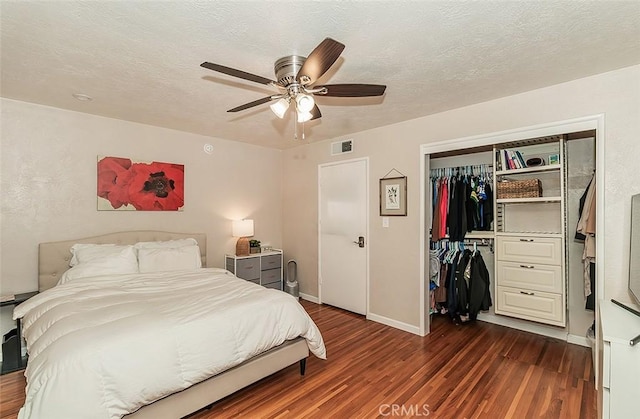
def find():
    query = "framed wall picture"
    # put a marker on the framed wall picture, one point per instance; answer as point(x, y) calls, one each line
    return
point(393, 196)
point(125, 184)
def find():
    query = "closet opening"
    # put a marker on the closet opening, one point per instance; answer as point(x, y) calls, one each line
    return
point(527, 190)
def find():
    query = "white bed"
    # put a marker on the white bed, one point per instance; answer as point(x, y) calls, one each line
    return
point(157, 344)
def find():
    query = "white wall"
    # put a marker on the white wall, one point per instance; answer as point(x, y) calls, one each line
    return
point(48, 185)
point(394, 251)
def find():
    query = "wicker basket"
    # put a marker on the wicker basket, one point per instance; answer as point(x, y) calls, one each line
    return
point(529, 188)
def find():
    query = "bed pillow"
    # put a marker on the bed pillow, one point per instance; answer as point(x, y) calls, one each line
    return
point(170, 244)
point(169, 259)
point(97, 262)
point(82, 253)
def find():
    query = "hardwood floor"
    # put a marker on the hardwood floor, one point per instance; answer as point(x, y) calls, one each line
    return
point(475, 370)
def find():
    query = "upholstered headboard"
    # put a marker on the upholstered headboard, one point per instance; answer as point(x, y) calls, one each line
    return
point(54, 257)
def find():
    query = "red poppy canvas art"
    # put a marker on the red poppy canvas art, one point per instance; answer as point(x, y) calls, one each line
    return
point(143, 186)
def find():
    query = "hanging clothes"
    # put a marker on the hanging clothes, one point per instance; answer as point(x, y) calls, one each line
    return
point(436, 218)
point(462, 201)
point(452, 292)
point(439, 222)
point(464, 284)
point(479, 287)
point(457, 220)
point(587, 228)
point(485, 195)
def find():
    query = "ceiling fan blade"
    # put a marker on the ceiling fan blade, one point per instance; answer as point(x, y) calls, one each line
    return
point(237, 73)
point(319, 61)
point(251, 104)
point(315, 112)
point(353, 90)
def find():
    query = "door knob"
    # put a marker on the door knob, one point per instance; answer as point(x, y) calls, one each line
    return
point(360, 241)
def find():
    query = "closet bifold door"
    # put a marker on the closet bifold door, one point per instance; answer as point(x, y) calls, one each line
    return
point(530, 230)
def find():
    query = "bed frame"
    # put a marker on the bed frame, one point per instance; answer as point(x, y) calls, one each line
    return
point(53, 261)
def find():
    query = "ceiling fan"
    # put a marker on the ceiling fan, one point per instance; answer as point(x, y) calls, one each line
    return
point(296, 76)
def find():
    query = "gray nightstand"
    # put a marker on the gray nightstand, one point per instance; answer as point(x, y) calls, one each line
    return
point(12, 359)
point(260, 268)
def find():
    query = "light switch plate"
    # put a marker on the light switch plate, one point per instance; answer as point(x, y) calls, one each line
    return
point(385, 222)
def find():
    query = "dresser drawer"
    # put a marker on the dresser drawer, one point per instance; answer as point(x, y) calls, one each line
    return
point(271, 262)
point(546, 250)
point(270, 276)
point(529, 276)
point(248, 268)
point(538, 306)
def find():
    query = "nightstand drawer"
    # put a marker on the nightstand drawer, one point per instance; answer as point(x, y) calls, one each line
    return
point(248, 268)
point(271, 262)
point(270, 276)
point(530, 276)
point(546, 250)
point(273, 285)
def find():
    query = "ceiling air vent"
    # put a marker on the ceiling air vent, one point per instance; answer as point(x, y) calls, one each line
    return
point(341, 147)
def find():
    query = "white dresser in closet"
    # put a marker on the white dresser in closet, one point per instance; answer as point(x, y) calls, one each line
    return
point(530, 236)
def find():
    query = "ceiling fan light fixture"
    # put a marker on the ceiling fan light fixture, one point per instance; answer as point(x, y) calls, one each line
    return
point(280, 107)
point(304, 116)
point(304, 102)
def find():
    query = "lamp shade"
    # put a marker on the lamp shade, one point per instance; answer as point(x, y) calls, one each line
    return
point(304, 102)
point(242, 228)
point(280, 107)
point(304, 116)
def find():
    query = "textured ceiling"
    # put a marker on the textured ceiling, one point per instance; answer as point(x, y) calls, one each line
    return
point(139, 60)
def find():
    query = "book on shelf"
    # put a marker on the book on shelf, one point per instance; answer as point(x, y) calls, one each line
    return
point(523, 163)
point(514, 159)
point(508, 164)
point(510, 159)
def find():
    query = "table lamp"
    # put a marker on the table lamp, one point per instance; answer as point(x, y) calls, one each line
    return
point(242, 229)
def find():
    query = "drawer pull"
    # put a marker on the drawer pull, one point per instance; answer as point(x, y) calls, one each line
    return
point(527, 266)
point(526, 293)
point(249, 267)
point(526, 240)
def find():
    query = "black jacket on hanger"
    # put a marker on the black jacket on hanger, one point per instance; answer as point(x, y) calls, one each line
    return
point(462, 288)
point(479, 290)
point(457, 221)
point(487, 208)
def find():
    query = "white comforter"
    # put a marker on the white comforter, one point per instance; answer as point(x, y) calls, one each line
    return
point(102, 347)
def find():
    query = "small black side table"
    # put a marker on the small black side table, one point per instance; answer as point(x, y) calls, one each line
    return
point(15, 362)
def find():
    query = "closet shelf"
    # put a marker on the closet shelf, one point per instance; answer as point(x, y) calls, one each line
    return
point(528, 170)
point(475, 235)
point(529, 200)
point(528, 233)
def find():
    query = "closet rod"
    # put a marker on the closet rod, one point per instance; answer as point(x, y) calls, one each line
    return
point(475, 169)
point(467, 242)
point(479, 242)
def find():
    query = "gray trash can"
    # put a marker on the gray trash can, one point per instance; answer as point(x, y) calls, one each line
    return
point(291, 286)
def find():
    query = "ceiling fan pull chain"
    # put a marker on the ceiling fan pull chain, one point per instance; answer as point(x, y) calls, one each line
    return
point(295, 130)
point(303, 131)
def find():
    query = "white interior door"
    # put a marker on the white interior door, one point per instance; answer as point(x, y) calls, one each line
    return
point(343, 220)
